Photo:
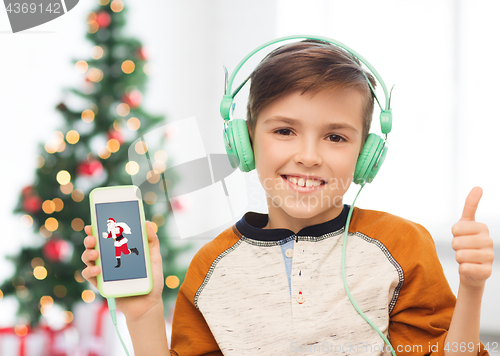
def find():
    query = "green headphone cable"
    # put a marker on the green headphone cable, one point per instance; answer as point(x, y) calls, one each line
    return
point(112, 311)
point(344, 279)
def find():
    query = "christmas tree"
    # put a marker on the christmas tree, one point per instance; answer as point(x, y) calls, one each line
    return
point(89, 151)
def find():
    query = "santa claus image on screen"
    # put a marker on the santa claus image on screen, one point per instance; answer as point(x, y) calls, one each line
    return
point(116, 231)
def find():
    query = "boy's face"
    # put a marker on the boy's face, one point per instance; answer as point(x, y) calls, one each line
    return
point(302, 136)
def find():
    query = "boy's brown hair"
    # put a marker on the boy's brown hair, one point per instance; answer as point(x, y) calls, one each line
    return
point(309, 66)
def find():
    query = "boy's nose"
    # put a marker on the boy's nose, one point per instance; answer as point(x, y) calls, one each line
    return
point(308, 154)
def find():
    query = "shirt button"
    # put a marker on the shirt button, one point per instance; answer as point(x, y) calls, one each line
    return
point(300, 298)
point(289, 253)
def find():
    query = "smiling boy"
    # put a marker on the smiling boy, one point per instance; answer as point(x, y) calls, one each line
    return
point(271, 284)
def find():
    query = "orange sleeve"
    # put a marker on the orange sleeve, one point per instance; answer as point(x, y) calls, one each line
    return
point(190, 333)
point(421, 318)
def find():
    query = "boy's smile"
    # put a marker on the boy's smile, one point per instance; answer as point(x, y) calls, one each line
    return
point(305, 148)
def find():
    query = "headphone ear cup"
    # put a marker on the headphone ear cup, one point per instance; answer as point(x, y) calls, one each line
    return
point(238, 146)
point(370, 159)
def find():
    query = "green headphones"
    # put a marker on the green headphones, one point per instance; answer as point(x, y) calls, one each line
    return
point(237, 140)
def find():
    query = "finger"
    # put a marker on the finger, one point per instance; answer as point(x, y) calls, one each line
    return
point(90, 274)
point(475, 256)
point(89, 257)
point(471, 203)
point(472, 242)
point(89, 242)
point(88, 230)
point(152, 237)
point(468, 228)
point(476, 271)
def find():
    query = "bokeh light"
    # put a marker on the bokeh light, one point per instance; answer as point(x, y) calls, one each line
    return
point(88, 116)
point(172, 282)
point(63, 177)
point(39, 272)
point(72, 136)
point(88, 296)
point(51, 224)
point(77, 224)
point(132, 168)
point(133, 124)
point(81, 66)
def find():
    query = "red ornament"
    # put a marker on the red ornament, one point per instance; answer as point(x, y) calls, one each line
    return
point(56, 250)
point(141, 54)
point(28, 190)
point(103, 19)
point(117, 135)
point(133, 99)
point(87, 168)
point(32, 204)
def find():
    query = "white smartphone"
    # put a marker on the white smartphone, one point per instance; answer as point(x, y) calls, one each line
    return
point(119, 226)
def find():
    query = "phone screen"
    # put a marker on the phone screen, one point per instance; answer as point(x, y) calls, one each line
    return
point(119, 230)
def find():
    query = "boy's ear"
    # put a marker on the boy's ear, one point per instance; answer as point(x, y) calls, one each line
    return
point(250, 134)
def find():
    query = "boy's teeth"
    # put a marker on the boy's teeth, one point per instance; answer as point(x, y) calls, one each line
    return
point(304, 182)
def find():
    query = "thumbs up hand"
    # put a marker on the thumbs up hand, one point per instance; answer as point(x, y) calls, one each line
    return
point(473, 244)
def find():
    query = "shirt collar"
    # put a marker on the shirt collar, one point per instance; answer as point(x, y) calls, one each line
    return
point(252, 223)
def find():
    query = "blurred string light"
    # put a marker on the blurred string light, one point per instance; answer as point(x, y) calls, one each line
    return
point(77, 224)
point(153, 177)
point(21, 330)
point(172, 282)
point(88, 296)
point(55, 143)
point(88, 116)
point(63, 177)
point(116, 6)
point(67, 188)
point(78, 276)
point(77, 195)
point(133, 124)
point(95, 75)
point(104, 153)
point(49, 206)
point(51, 224)
point(141, 147)
point(37, 261)
point(44, 232)
point(128, 66)
point(27, 220)
point(132, 168)
point(123, 109)
point(96, 52)
point(39, 272)
point(81, 67)
point(113, 145)
point(72, 136)
point(68, 316)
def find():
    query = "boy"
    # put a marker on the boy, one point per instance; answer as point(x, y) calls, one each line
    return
point(270, 284)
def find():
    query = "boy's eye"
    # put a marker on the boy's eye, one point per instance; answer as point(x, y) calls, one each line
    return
point(283, 132)
point(336, 138)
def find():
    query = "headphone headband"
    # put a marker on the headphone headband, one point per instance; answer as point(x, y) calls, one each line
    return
point(227, 100)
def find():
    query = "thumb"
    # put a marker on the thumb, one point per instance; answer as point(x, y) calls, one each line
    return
point(471, 203)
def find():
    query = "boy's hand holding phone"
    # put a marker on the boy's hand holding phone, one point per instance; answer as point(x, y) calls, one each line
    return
point(132, 307)
point(473, 244)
